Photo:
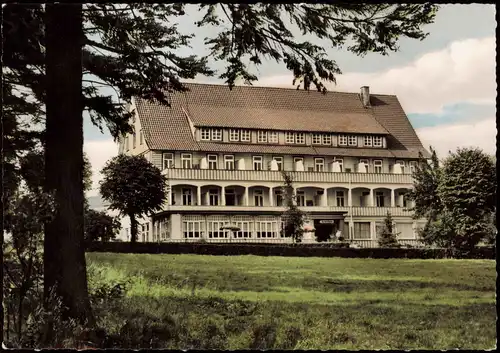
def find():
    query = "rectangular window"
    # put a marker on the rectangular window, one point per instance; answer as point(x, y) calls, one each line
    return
point(266, 229)
point(230, 197)
point(365, 162)
point(361, 230)
point(205, 134)
point(402, 164)
point(212, 161)
point(187, 160)
point(327, 139)
point(213, 197)
point(363, 198)
point(214, 229)
point(352, 140)
point(377, 141)
point(234, 135)
point(319, 164)
point(377, 166)
point(341, 163)
point(403, 198)
point(289, 137)
point(217, 134)
point(168, 161)
point(379, 196)
point(301, 198)
point(245, 229)
point(187, 197)
point(340, 199)
point(257, 162)
point(192, 229)
point(279, 162)
point(273, 137)
point(141, 137)
point(245, 135)
point(316, 139)
point(229, 162)
point(295, 160)
point(279, 197)
point(300, 138)
point(342, 140)
point(261, 136)
point(258, 197)
point(413, 166)
point(368, 141)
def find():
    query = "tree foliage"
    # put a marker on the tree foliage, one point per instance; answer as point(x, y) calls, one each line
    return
point(458, 199)
point(292, 217)
point(100, 226)
point(387, 238)
point(133, 186)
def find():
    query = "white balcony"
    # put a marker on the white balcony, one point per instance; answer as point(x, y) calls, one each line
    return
point(275, 176)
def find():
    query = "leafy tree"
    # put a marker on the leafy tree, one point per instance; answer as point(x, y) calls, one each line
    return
point(292, 217)
point(99, 226)
point(132, 49)
point(387, 237)
point(133, 186)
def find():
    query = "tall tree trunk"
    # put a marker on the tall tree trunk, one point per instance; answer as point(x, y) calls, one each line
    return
point(133, 229)
point(64, 254)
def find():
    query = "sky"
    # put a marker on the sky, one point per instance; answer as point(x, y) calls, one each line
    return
point(445, 83)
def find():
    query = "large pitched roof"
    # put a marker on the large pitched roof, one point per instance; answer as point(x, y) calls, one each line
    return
point(169, 128)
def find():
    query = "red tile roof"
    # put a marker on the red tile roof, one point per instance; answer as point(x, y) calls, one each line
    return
point(168, 128)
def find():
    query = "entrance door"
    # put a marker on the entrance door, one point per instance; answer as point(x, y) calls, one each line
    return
point(323, 230)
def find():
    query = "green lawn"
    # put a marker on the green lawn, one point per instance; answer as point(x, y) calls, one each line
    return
point(252, 302)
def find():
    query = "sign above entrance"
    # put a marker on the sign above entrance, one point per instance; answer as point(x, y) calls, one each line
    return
point(327, 221)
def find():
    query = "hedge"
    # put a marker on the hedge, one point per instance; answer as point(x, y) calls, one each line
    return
point(302, 250)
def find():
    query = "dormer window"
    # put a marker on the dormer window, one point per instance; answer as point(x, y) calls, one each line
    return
point(217, 134)
point(327, 139)
point(368, 141)
point(261, 136)
point(352, 140)
point(273, 137)
point(234, 135)
point(316, 139)
point(289, 137)
point(300, 138)
point(342, 140)
point(377, 141)
point(205, 134)
point(245, 135)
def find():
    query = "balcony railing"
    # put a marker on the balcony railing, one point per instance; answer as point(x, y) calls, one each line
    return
point(356, 211)
point(268, 175)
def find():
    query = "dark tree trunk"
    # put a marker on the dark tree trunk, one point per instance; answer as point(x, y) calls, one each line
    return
point(133, 229)
point(64, 254)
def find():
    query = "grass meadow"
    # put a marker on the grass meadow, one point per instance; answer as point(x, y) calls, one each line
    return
point(253, 302)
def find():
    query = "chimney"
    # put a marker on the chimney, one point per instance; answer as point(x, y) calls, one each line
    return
point(365, 96)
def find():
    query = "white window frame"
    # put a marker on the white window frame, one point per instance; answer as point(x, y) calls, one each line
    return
point(234, 135)
point(319, 164)
point(352, 140)
point(412, 166)
point(326, 139)
point(187, 195)
point(258, 194)
point(378, 166)
point(279, 161)
point(216, 134)
point(168, 165)
point(300, 138)
point(354, 235)
point(192, 227)
point(342, 140)
point(341, 162)
point(378, 141)
point(295, 160)
point(187, 157)
point(261, 136)
point(245, 229)
point(211, 160)
point(213, 196)
point(273, 137)
point(379, 199)
point(339, 196)
point(229, 158)
point(365, 161)
point(245, 136)
point(368, 141)
point(289, 137)
point(259, 160)
point(316, 139)
point(301, 198)
point(402, 164)
point(205, 134)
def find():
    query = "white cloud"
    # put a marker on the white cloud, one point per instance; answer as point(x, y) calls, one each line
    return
point(462, 72)
point(98, 153)
point(446, 138)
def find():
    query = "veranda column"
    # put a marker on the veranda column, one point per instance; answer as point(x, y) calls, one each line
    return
point(393, 203)
point(198, 196)
point(349, 197)
point(223, 195)
point(324, 198)
point(271, 201)
point(370, 198)
point(246, 196)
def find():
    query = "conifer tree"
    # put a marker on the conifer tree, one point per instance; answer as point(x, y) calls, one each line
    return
point(387, 238)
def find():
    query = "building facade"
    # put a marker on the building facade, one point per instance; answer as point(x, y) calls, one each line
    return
point(351, 157)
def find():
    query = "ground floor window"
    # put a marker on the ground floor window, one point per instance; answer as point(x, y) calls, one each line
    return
point(214, 229)
point(361, 230)
point(405, 231)
point(266, 229)
point(192, 229)
point(246, 229)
